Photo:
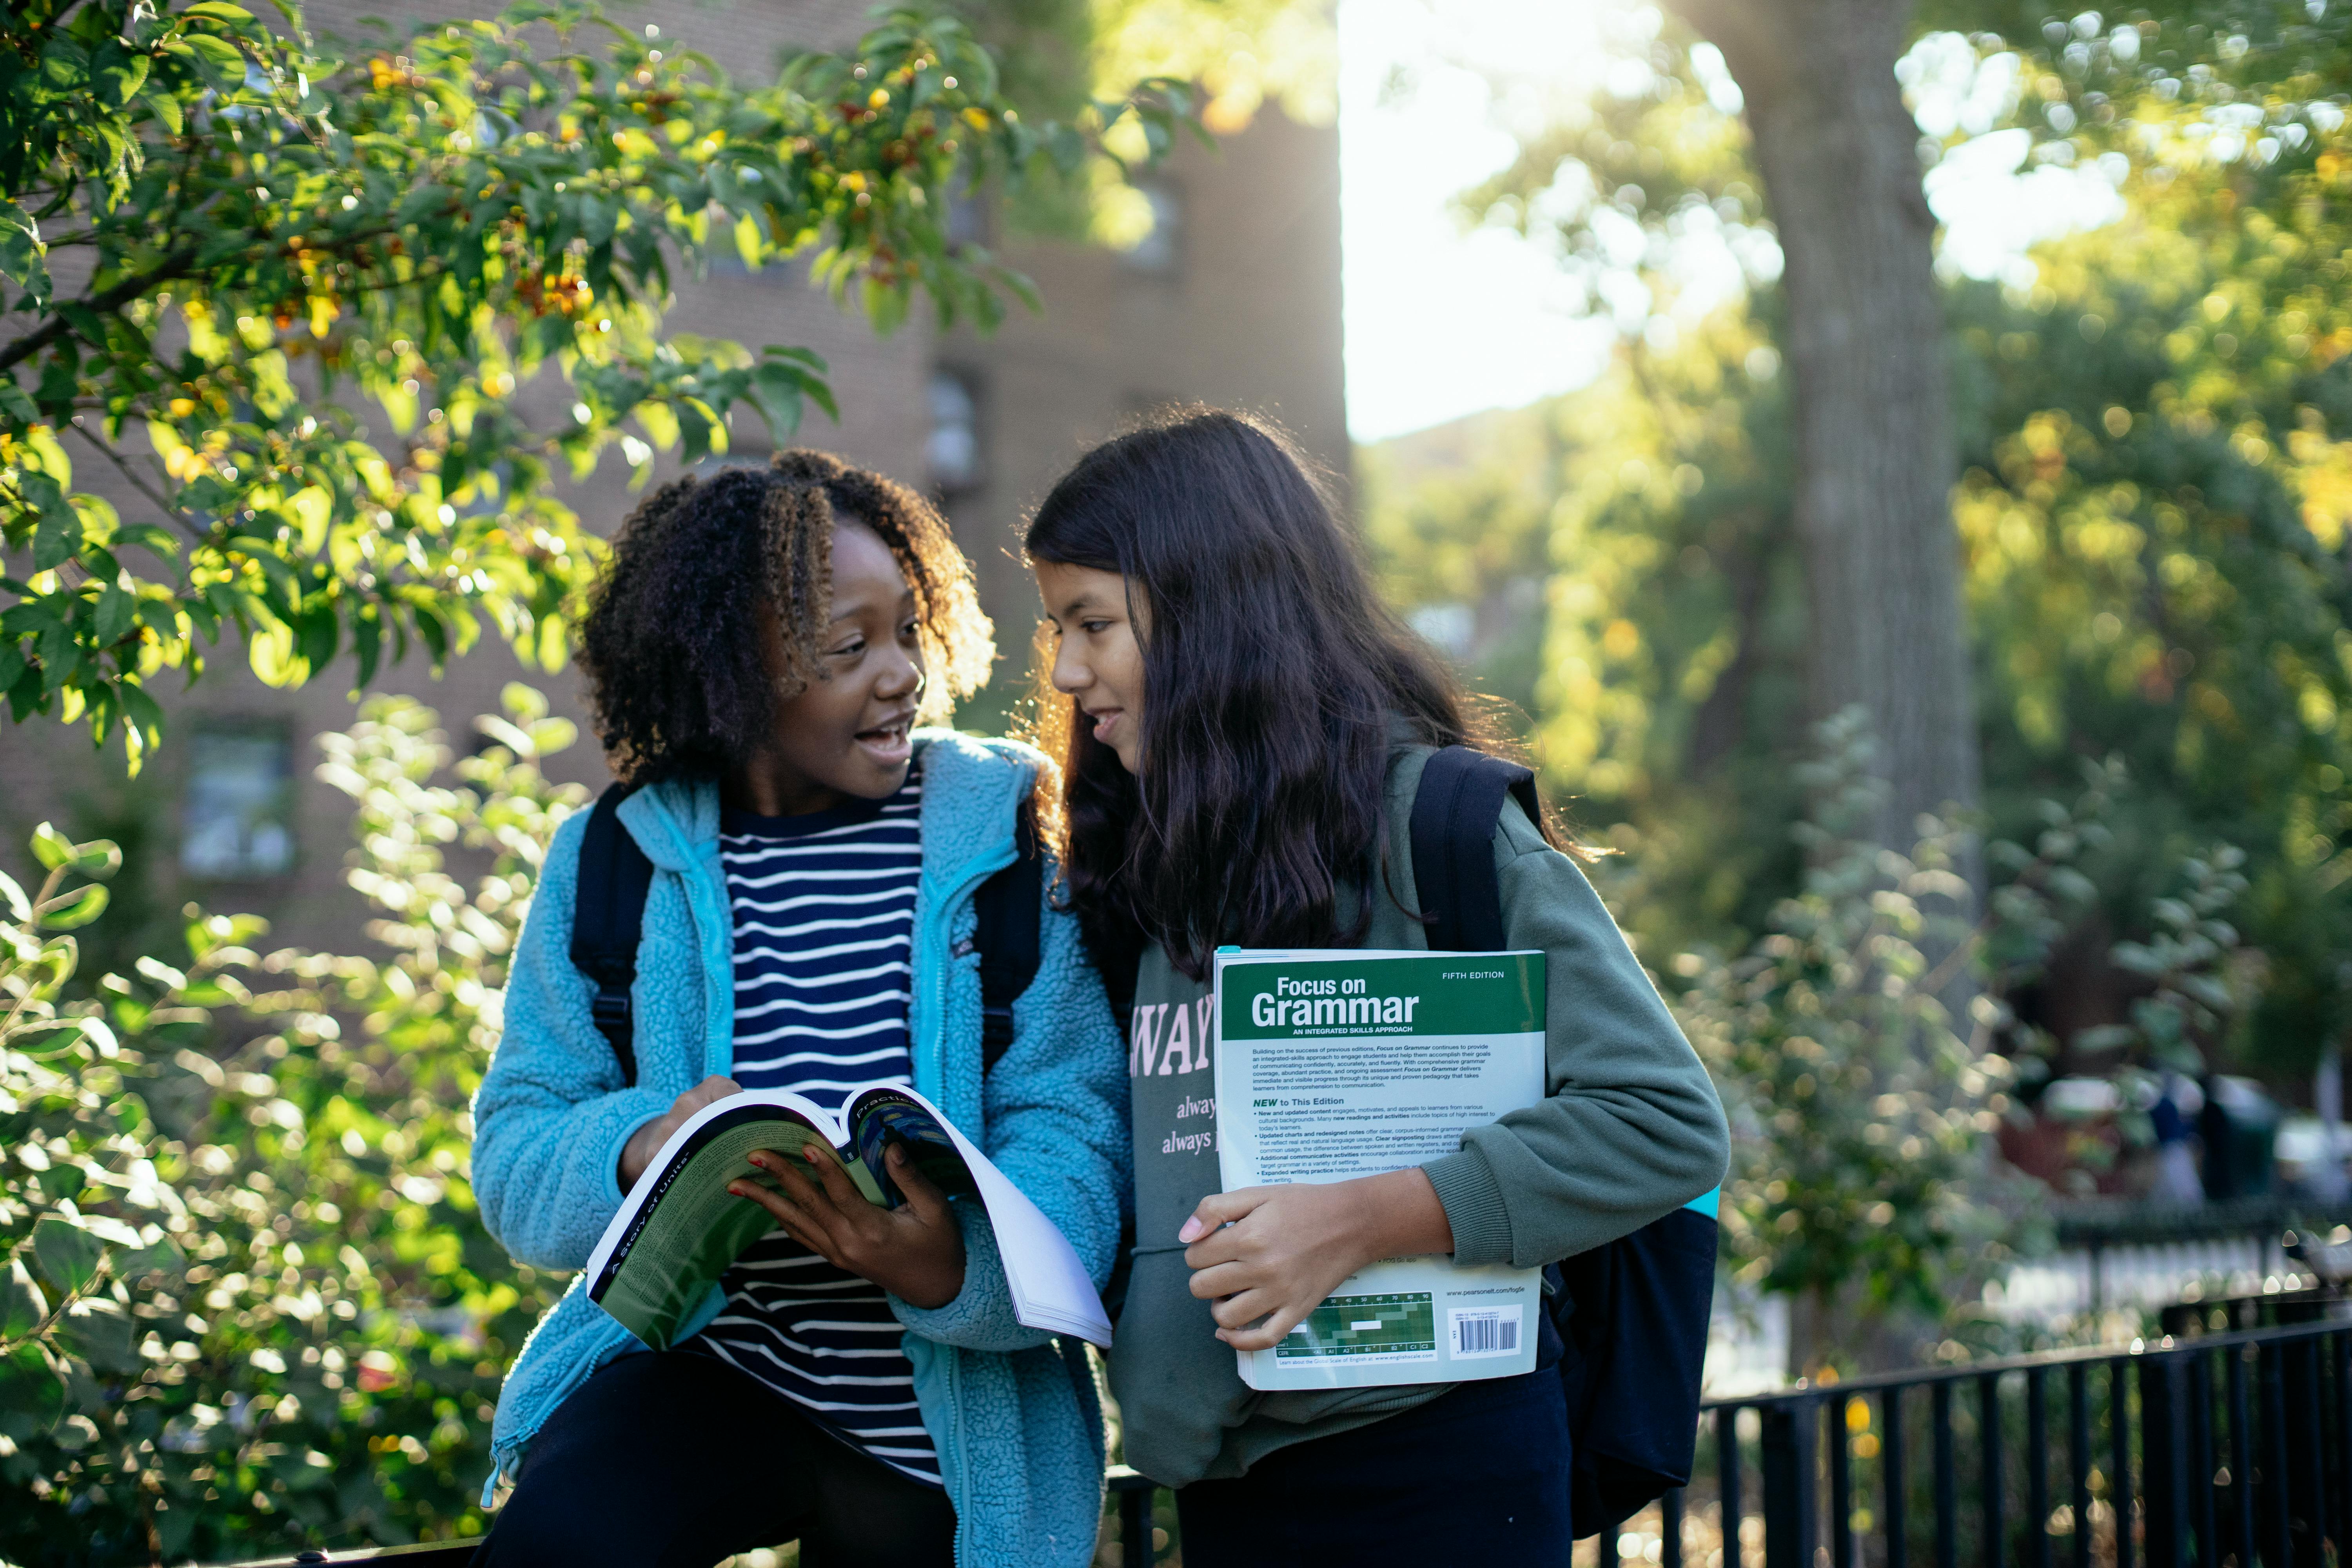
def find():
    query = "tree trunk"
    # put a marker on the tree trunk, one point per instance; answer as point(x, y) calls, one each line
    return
point(1876, 459)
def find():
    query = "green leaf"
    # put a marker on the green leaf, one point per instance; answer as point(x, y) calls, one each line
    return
point(68, 1256)
point(57, 540)
point(143, 712)
point(70, 911)
point(48, 1039)
point(215, 51)
point(116, 609)
point(101, 1333)
point(51, 848)
point(367, 645)
point(222, 61)
point(694, 431)
point(776, 390)
point(167, 110)
point(22, 1304)
point(21, 254)
point(118, 74)
point(98, 857)
point(429, 628)
point(163, 1258)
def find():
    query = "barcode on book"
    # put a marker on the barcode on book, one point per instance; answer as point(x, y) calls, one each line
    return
point(1483, 1331)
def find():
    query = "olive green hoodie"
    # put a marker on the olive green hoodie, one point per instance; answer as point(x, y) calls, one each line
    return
point(1630, 1131)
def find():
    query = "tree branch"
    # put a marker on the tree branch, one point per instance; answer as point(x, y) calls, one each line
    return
point(102, 302)
point(106, 449)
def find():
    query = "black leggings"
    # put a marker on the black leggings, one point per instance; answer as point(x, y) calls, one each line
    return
point(1479, 1475)
point(671, 1459)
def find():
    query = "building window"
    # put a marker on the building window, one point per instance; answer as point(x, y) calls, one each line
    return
point(1162, 250)
point(951, 452)
point(237, 819)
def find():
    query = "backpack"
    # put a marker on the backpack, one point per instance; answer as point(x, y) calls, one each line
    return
point(609, 915)
point(1631, 1315)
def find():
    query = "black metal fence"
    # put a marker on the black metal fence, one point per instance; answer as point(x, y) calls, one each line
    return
point(2214, 1445)
point(2226, 1450)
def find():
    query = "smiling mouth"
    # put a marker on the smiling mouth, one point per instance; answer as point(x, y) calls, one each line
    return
point(888, 740)
point(1103, 721)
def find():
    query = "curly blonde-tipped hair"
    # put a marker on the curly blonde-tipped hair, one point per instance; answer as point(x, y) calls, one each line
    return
point(673, 642)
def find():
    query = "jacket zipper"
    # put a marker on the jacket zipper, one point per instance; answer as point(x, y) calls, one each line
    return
point(963, 888)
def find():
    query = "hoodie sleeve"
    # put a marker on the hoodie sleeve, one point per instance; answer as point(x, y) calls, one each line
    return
point(553, 1113)
point(1057, 1109)
point(1632, 1128)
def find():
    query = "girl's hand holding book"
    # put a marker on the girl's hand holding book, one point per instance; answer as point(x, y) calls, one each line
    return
point(914, 1251)
point(647, 1140)
point(1268, 1255)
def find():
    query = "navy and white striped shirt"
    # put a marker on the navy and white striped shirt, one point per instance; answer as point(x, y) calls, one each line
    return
point(825, 922)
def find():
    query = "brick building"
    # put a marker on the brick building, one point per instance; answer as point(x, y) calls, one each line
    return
point(1233, 299)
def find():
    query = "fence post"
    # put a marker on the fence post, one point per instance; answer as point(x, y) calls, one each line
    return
point(1996, 1522)
point(1726, 1481)
point(1893, 1481)
point(2119, 1481)
point(1947, 1482)
point(1841, 1486)
point(2164, 1459)
point(2306, 1477)
point(2078, 1459)
point(1791, 1509)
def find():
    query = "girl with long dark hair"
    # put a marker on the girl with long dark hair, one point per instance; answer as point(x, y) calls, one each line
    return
point(1244, 726)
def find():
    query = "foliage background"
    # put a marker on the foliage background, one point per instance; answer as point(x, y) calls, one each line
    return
point(2152, 515)
point(251, 1302)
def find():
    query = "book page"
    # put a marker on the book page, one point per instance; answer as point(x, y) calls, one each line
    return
point(1050, 1288)
point(1337, 1064)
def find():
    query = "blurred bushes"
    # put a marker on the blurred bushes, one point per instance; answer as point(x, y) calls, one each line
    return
point(248, 1304)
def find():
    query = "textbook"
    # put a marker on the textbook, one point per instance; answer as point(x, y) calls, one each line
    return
point(679, 1227)
point(1338, 1063)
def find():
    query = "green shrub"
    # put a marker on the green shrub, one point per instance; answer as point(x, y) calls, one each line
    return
point(250, 1303)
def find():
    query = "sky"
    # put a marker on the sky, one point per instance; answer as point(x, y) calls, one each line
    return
point(1441, 324)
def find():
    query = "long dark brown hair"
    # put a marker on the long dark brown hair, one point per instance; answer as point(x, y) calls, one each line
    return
point(1273, 679)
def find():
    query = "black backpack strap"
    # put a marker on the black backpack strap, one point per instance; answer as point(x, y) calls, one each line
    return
point(1626, 1321)
point(1007, 905)
point(1453, 831)
point(608, 918)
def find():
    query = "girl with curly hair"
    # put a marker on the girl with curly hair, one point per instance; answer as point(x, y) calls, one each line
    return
point(764, 652)
point(1245, 728)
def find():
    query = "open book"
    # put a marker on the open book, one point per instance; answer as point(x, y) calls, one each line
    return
point(1338, 1063)
point(679, 1227)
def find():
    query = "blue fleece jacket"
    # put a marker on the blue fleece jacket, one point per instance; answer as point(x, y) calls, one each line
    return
point(1013, 1412)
